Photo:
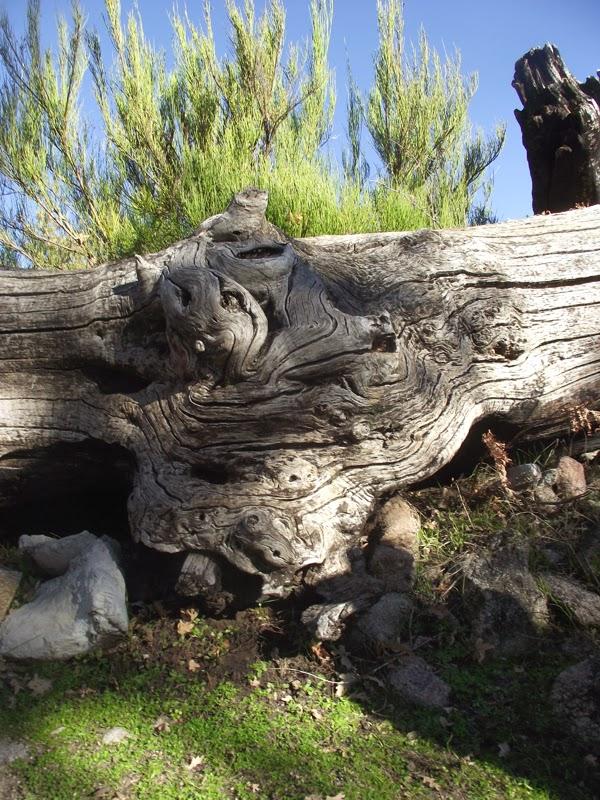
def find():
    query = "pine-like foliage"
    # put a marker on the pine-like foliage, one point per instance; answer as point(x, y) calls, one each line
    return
point(174, 143)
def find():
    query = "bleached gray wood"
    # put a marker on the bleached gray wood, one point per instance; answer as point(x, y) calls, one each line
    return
point(271, 391)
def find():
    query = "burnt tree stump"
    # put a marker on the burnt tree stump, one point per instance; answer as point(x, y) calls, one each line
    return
point(560, 125)
point(269, 391)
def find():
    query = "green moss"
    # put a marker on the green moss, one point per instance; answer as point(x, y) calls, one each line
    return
point(261, 743)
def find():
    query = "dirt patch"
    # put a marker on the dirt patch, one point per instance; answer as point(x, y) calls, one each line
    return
point(10, 786)
point(209, 650)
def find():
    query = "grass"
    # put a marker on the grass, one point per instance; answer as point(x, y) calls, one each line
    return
point(248, 742)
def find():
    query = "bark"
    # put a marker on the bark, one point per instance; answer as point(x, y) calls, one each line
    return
point(270, 391)
point(560, 125)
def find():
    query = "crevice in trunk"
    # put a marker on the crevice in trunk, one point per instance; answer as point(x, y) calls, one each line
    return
point(66, 488)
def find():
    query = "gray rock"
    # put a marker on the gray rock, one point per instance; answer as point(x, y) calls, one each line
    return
point(570, 478)
point(506, 608)
point(385, 623)
point(576, 702)
point(546, 496)
point(581, 604)
point(549, 478)
point(523, 477)
point(53, 556)
point(396, 529)
point(11, 750)
point(326, 622)
point(589, 554)
point(70, 615)
point(416, 682)
point(9, 583)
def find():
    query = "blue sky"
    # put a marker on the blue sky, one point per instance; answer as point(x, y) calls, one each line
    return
point(491, 35)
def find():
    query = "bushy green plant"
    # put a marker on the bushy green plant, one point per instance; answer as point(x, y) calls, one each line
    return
point(176, 142)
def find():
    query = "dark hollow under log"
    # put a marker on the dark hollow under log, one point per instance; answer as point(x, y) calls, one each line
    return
point(270, 391)
point(560, 125)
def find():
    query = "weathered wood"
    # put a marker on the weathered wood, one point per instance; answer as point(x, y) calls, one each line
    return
point(560, 125)
point(270, 391)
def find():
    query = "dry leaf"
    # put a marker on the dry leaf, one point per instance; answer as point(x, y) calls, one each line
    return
point(316, 713)
point(162, 724)
point(189, 613)
point(193, 665)
point(254, 788)
point(430, 783)
point(195, 764)
point(39, 686)
point(184, 627)
point(321, 653)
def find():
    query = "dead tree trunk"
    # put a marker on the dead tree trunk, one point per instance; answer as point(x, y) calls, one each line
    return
point(560, 124)
point(270, 391)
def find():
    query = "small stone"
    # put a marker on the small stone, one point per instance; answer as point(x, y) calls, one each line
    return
point(576, 702)
point(396, 529)
point(417, 683)
point(523, 477)
point(385, 623)
point(549, 478)
point(546, 496)
point(581, 604)
point(326, 622)
point(570, 478)
point(11, 750)
point(9, 583)
point(116, 735)
point(507, 610)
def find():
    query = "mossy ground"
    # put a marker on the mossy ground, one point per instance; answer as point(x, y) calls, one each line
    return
point(249, 708)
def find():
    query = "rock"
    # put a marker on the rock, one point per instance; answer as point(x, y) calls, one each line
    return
point(581, 604)
point(524, 477)
point(576, 702)
point(546, 496)
point(507, 610)
point(326, 622)
point(570, 478)
point(392, 560)
point(590, 457)
point(11, 750)
point(549, 478)
point(53, 556)
point(385, 623)
point(116, 736)
point(9, 583)
point(200, 574)
point(70, 615)
point(589, 554)
point(416, 682)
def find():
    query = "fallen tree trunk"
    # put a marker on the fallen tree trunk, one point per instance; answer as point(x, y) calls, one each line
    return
point(560, 125)
point(268, 392)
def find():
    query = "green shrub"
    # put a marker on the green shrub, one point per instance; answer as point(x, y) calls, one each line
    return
point(176, 142)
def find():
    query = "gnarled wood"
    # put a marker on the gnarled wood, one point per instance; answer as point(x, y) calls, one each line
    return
point(271, 390)
point(560, 124)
